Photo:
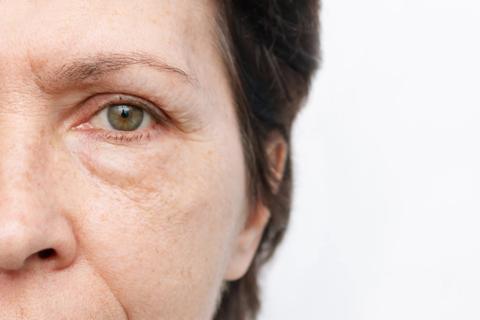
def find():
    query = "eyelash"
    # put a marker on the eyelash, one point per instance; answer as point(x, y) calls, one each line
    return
point(159, 119)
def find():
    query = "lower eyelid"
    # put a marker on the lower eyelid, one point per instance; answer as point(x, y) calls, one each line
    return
point(128, 138)
point(119, 137)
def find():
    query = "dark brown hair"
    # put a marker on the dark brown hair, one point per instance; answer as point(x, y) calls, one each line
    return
point(271, 50)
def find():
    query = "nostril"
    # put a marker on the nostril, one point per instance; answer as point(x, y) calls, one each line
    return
point(47, 253)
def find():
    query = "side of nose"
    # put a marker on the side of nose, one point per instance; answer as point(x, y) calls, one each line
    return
point(32, 243)
point(35, 233)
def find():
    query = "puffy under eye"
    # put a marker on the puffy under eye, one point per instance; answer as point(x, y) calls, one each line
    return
point(122, 117)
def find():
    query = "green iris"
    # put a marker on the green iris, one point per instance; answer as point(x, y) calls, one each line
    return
point(124, 117)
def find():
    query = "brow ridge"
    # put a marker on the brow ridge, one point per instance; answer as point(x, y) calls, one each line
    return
point(97, 65)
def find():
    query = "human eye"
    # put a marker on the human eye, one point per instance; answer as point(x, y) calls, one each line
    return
point(121, 117)
point(124, 119)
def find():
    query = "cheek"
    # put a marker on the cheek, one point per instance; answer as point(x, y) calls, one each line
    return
point(158, 223)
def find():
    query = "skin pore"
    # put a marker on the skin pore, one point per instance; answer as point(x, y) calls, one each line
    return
point(98, 223)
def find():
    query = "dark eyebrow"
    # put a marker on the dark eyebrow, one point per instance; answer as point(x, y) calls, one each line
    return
point(95, 66)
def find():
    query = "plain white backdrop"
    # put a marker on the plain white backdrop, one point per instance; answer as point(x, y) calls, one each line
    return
point(386, 219)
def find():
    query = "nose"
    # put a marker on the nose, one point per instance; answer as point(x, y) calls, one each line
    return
point(35, 232)
point(27, 243)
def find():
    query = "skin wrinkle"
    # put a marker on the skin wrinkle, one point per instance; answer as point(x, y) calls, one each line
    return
point(112, 290)
point(78, 225)
point(124, 187)
point(99, 65)
point(121, 192)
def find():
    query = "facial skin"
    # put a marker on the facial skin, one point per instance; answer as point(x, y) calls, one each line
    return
point(144, 224)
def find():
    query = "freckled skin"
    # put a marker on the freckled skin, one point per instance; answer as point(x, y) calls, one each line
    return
point(144, 230)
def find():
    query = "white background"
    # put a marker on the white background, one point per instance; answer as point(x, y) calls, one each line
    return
point(386, 220)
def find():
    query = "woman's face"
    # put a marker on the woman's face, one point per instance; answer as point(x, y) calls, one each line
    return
point(122, 180)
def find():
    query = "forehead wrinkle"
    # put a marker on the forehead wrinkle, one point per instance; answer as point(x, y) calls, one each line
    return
point(83, 69)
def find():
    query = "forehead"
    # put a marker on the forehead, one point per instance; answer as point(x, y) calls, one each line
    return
point(42, 33)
